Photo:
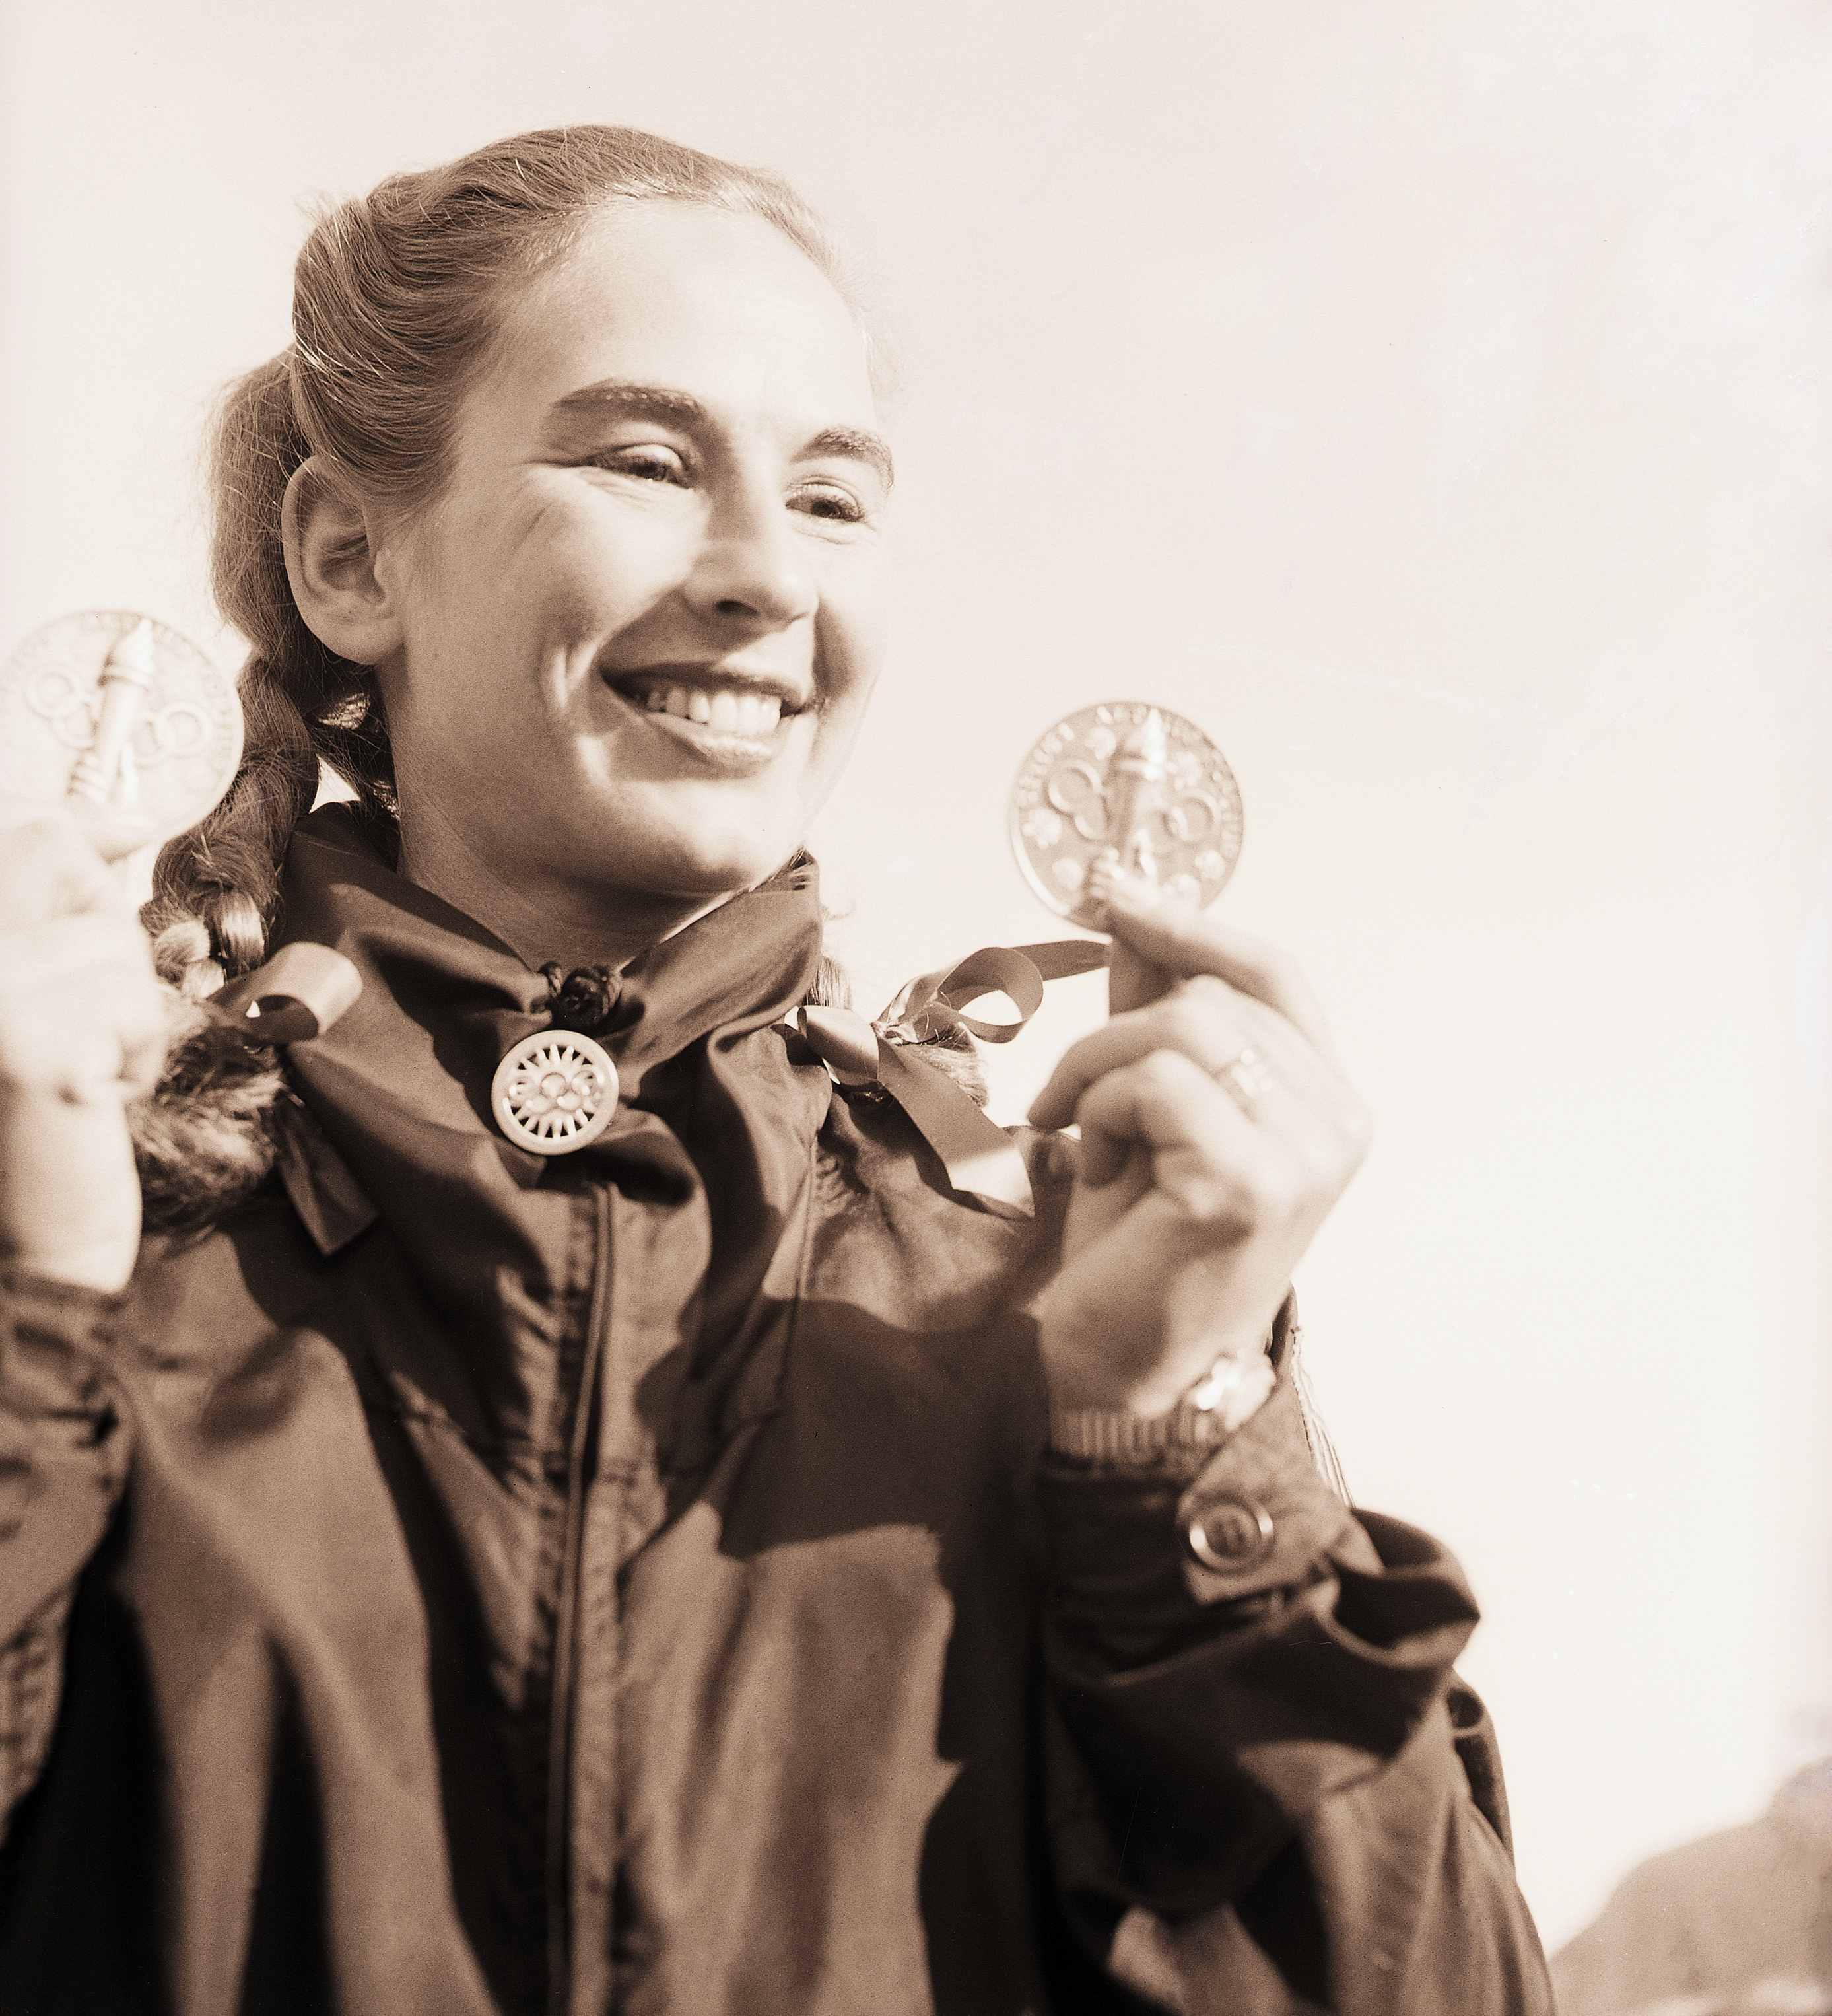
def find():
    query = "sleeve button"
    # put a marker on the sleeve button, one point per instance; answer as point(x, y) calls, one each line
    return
point(1230, 1533)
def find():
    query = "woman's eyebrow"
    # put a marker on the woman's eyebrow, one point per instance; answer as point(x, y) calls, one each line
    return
point(858, 443)
point(637, 402)
point(629, 400)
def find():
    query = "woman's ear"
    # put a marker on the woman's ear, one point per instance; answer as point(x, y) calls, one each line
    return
point(331, 555)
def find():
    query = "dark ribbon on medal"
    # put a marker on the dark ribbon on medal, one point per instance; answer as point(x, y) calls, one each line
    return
point(981, 1159)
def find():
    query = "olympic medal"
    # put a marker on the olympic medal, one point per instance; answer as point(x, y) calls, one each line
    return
point(122, 720)
point(1129, 786)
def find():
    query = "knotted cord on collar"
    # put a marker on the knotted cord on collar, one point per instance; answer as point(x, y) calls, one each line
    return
point(583, 1000)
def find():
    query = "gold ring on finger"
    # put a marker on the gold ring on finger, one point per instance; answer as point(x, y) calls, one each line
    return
point(1245, 1079)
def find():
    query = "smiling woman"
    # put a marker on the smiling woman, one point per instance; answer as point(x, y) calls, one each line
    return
point(557, 1502)
point(664, 511)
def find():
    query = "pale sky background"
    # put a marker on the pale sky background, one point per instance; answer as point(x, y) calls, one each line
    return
point(1435, 401)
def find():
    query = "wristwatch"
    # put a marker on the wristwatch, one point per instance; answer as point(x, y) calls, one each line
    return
point(1228, 1396)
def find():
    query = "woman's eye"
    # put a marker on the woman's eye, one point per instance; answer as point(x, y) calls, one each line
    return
point(648, 463)
point(828, 500)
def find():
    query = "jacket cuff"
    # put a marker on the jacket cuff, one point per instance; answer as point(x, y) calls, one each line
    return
point(62, 1306)
point(63, 1446)
point(1238, 1733)
point(1152, 1547)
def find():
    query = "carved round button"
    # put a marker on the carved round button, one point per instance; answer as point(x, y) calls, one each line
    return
point(554, 1092)
point(1230, 1534)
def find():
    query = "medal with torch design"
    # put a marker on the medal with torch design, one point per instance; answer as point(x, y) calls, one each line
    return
point(123, 720)
point(1130, 786)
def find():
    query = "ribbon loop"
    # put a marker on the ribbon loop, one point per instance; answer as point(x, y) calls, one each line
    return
point(981, 1159)
point(928, 1006)
point(297, 995)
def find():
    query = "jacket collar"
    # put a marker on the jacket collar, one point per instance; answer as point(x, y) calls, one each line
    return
point(713, 1109)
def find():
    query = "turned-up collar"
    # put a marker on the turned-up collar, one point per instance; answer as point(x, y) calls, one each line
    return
point(400, 1084)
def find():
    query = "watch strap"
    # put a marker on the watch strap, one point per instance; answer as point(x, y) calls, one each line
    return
point(1228, 1395)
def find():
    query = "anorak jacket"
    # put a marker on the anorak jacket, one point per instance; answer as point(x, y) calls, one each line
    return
point(468, 1581)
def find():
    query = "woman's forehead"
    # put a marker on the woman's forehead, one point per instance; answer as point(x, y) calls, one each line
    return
point(717, 305)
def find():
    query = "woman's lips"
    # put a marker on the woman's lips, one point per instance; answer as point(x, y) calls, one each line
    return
point(734, 724)
point(748, 704)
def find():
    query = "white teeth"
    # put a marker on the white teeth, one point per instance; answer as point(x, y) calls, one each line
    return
point(725, 713)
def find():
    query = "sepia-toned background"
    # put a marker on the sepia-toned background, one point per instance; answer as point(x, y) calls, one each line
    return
point(1434, 401)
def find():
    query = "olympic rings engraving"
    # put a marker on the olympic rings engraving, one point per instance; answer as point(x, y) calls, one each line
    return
point(177, 731)
point(1077, 790)
point(1129, 764)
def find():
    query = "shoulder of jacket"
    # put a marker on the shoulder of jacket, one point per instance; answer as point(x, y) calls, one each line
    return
point(220, 1292)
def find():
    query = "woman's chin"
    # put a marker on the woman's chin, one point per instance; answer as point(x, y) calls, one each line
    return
point(703, 857)
point(698, 880)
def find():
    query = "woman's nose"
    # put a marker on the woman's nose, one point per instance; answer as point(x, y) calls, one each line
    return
point(750, 567)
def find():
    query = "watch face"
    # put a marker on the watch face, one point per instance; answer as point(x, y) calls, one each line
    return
point(123, 720)
point(1125, 785)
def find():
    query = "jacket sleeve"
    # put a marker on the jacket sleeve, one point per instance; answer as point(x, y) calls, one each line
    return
point(62, 1460)
point(1268, 1791)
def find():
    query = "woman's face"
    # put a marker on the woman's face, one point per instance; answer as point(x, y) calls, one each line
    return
point(640, 625)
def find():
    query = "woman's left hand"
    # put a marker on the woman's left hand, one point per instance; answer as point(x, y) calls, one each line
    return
point(1191, 1204)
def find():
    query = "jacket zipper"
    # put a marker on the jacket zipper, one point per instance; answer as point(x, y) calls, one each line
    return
point(559, 1742)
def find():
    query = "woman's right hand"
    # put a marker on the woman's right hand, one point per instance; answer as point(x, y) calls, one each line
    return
point(82, 1032)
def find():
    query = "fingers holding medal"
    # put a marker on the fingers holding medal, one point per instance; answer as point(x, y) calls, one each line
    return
point(115, 734)
point(1250, 1050)
point(1216, 1129)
